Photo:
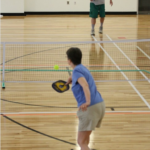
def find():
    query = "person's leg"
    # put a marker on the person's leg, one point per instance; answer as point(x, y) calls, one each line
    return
point(102, 21)
point(83, 139)
point(93, 22)
point(93, 15)
point(88, 140)
point(102, 17)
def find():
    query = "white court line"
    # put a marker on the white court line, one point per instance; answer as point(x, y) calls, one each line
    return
point(44, 38)
point(143, 52)
point(43, 34)
point(128, 58)
point(147, 104)
point(71, 112)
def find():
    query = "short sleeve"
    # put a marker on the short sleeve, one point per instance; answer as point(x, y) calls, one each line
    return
point(76, 76)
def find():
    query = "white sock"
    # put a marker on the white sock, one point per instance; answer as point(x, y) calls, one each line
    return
point(93, 25)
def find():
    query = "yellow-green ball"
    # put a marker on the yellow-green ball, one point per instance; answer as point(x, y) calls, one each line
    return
point(56, 67)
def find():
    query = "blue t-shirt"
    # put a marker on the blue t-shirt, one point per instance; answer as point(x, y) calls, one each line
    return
point(81, 71)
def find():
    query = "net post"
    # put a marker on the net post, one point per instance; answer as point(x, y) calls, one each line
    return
point(3, 77)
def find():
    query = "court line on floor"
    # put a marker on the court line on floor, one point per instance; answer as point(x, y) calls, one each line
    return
point(41, 34)
point(140, 95)
point(36, 131)
point(127, 57)
point(73, 113)
point(69, 107)
point(45, 37)
point(143, 52)
point(87, 28)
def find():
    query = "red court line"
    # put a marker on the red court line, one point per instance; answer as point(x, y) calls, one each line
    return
point(42, 114)
point(73, 114)
point(121, 37)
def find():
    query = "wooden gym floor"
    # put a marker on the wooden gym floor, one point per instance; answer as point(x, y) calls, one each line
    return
point(37, 118)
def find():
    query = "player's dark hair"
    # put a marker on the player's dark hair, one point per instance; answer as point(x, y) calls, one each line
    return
point(75, 55)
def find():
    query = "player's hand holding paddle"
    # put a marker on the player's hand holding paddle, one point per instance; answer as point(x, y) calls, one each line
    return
point(60, 86)
point(69, 81)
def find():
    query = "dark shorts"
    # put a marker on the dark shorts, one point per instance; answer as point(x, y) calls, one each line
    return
point(97, 9)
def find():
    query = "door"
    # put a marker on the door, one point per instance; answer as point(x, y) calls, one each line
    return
point(144, 6)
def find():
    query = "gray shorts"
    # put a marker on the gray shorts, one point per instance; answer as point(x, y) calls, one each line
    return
point(92, 117)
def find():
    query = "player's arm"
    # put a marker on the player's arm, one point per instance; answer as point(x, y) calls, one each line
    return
point(82, 81)
point(69, 80)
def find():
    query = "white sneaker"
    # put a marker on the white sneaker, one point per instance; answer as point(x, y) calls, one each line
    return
point(101, 30)
point(92, 33)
